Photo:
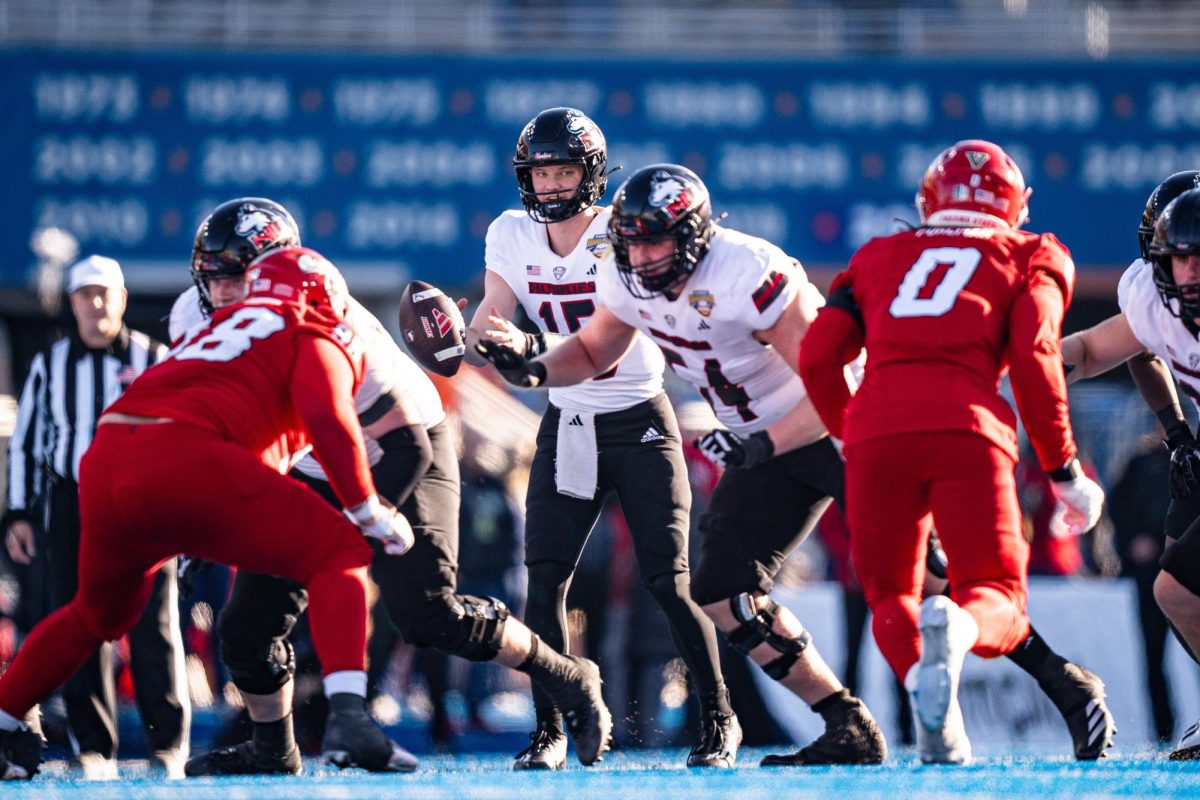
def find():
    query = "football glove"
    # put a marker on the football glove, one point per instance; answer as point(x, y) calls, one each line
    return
point(384, 523)
point(1080, 500)
point(1185, 458)
point(727, 449)
point(512, 366)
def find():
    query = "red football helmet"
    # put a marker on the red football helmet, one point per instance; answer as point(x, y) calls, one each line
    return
point(974, 177)
point(300, 275)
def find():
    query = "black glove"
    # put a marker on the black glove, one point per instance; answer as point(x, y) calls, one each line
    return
point(935, 557)
point(1185, 457)
point(511, 365)
point(189, 568)
point(727, 449)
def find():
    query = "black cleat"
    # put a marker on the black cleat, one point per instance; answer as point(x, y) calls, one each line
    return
point(1189, 745)
point(1079, 697)
point(242, 759)
point(720, 737)
point(353, 739)
point(852, 737)
point(547, 749)
point(588, 719)
point(20, 754)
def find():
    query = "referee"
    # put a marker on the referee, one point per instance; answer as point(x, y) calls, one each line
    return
point(69, 384)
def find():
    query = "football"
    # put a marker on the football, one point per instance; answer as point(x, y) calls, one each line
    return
point(432, 328)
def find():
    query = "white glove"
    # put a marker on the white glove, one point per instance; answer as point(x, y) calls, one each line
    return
point(1079, 503)
point(381, 522)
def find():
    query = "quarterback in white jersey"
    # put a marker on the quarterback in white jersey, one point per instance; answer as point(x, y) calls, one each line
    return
point(1159, 296)
point(613, 433)
point(729, 312)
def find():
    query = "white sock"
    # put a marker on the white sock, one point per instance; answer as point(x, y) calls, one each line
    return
point(350, 681)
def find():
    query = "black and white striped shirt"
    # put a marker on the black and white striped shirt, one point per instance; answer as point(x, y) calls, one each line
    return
point(68, 387)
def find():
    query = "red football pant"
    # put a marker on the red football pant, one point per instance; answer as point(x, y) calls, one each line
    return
point(897, 489)
point(151, 492)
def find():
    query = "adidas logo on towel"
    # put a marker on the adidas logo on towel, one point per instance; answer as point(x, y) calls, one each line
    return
point(575, 420)
point(652, 435)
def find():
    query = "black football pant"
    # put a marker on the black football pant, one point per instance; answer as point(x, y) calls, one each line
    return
point(641, 460)
point(155, 644)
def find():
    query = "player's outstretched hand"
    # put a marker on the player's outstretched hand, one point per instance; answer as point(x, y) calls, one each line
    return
point(511, 365)
point(1080, 501)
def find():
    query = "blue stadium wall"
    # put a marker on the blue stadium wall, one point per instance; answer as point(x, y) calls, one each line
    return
point(395, 166)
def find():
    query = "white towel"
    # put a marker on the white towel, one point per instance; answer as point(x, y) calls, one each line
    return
point(575, 464)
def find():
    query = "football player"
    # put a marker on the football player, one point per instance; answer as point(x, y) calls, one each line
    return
point(1159, 297)
point(941, 310)
point(727, 311)
point(226, 408)
point(412, 452)
point(616, 433)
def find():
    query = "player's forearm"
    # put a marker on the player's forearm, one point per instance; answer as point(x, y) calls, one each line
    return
point(1098, 349)
point(1154, 382)
point(799, 427)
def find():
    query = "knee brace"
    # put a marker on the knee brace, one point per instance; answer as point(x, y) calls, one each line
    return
point(462, 625)
point(755, 629)
point(261, 669)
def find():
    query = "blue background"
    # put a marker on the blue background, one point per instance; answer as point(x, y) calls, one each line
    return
point(396, 165)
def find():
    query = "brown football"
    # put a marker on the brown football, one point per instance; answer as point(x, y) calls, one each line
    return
point(432, 328)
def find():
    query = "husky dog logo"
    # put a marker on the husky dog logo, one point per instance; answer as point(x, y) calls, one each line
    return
point(256, 225)
point(669, 193)
point(585, 131)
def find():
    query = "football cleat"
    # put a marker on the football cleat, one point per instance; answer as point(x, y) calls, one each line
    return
point(946, 744)
point(852, 738)
point(353, 739)
point(547, 749)
point(1079, 697)
point(586, 716)
point(20, 754)
point(947, 634)
point(1189, 745)
point(720, 737)
point(243, 759)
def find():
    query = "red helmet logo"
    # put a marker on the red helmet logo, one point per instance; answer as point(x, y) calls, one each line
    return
point(970, 182)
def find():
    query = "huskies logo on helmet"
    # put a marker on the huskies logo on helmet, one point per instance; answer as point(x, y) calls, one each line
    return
point(669, 193)
point(256, 225)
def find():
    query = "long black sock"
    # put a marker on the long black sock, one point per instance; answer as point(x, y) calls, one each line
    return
point(276, 737)
point(1032, 654)
point(547, 668)
point(832, 704)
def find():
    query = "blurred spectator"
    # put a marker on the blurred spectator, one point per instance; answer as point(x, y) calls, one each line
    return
point(1138, 507)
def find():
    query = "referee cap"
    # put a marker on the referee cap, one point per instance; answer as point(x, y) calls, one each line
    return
point(96, 271)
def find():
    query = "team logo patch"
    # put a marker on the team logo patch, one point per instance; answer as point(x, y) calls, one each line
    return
point(598, 245)
point(559, 272)
point(702, 300)
point(670, 320)
point(977, 159)
point(1194, 360)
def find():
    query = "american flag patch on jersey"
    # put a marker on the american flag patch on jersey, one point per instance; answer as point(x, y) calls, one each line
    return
point(767, 291)
point(533, 269)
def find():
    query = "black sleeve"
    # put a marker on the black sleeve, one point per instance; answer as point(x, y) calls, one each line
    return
point(407, 456)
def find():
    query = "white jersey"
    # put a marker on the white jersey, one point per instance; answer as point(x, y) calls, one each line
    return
point(388, 369)
point(741, 286)
point(1158, 330)
point(559, 294)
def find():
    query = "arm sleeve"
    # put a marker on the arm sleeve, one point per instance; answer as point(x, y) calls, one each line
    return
point(323, 393)
point(24, 448)
point(833, 340)
point(1035, 365)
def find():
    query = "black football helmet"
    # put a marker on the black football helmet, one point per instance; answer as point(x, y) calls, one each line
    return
point(561, 136)
point(1163, 194)
point(1177, 233)
point(658, 201)
point(236, 233)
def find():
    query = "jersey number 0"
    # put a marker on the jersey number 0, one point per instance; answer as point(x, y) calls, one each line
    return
point(916, 299)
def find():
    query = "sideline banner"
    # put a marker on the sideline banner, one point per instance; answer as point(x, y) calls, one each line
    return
point(396, 165)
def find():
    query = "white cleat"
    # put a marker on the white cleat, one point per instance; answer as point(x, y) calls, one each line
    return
point(947, 634)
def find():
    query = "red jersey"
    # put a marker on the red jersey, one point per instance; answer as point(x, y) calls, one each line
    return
point(942, 312)
point(263, 374)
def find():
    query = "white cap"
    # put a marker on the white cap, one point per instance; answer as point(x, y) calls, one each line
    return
point(96, 271)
